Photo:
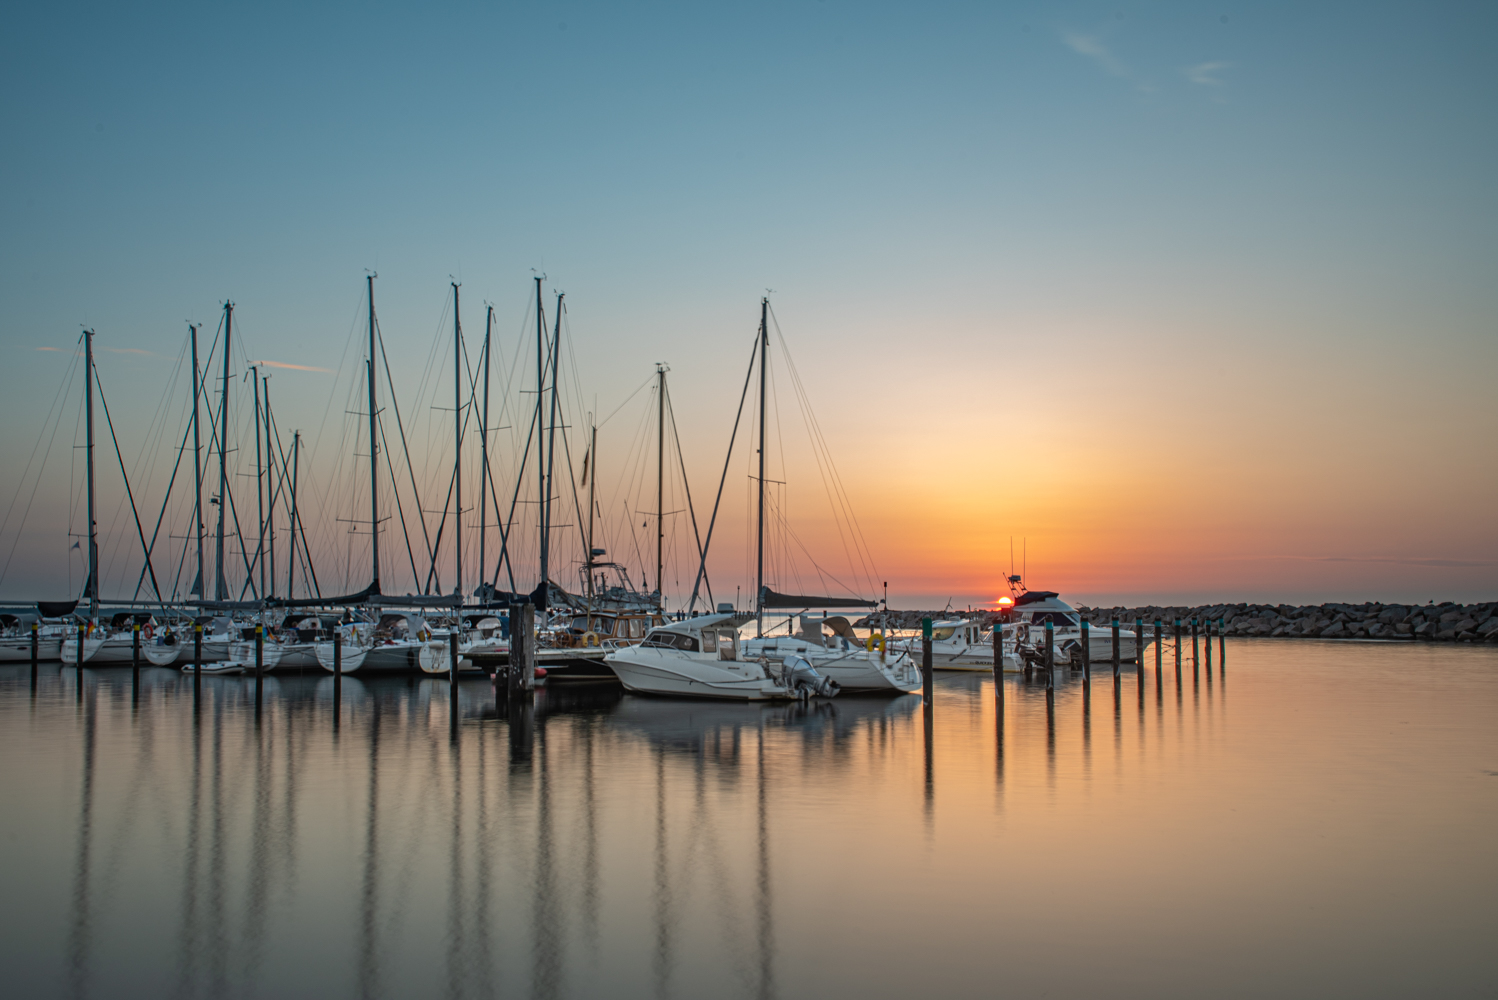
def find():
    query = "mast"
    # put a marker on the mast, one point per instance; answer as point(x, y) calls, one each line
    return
point(540, 451)
point(197, 459)
point(259, 482)
point(759, 534)
point(592, 481)
point(457, 448)
point(374, 448)
point(93, 535)
point(484, 444)
point(551, 434)
point(270, 496)
point(220, 587)
point(296, 447)
point(660, 481)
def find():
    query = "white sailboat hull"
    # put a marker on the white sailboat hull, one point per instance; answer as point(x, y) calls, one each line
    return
point(19, 650)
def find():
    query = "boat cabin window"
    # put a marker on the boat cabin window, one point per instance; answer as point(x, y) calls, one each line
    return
point(709, 642)
point(726, 649)
point(943, 633)
point(671, 640)
point(636, 627)
point(1059, 619)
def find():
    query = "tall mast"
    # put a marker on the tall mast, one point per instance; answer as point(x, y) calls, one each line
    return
point(592, 482)
point(759, 534)
point(551, 435)
point(93, 535)
point(197, 459)
point(270, 496)
point(259, 482)
point(296, 447)
point(221, 587)
point(484, 444)
point(457, 447)
point(540, 450)
point(374, 449)
point(660, 483)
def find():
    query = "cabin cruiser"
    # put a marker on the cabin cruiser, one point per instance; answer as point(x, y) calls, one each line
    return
point(703, 658)
point(1034, 608)
point(840, 655)
point(960, 644)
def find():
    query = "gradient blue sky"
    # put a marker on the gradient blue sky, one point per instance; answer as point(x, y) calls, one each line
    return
point(1198, 298)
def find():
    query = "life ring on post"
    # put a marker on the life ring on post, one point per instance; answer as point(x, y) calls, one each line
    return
point(591, 639)
point(875, 641)
point(147, 631)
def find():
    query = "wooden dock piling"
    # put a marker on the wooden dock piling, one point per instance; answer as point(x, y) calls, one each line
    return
point(337, 677)
point(452, 680)
point(1139, 648)
point(1050, 656)
point(1086, 653)
point(1115, 650)
point(1195, 655)
point(522, 671)
point(926, 670)
point(34, 628)
point(998, 672)
point(1178, 652)
point(1222, 647)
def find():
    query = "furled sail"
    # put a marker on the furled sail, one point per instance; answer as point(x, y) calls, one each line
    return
point(770, 599)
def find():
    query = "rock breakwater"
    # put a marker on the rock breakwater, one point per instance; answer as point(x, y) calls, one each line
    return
point(1444, 622)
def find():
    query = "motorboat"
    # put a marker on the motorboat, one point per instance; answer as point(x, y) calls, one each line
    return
point(1033, 608)
point(961, 644)
point(840, 655)
point(702, 658)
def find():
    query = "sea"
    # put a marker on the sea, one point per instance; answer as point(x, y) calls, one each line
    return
point(1298, 819)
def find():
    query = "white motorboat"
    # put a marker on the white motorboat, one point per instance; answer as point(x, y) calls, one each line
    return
point(1034, 608)
point(959, 644)
point(701, 658)
point(855, 664)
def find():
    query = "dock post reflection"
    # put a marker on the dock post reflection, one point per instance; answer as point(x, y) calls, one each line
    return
point(927, 718)
point(1159, 656)
point(34, 628)
point(763, 918)
point(368, 976)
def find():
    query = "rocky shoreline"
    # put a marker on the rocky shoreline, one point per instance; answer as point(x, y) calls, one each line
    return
point(1444, 622)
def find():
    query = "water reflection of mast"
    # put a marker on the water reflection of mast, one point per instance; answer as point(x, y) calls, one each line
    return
point(369, 970)
point(455, 942)
point(662, 959)
point(187, 936)
point(80, 929)
point(546, 977)
point(766, 929)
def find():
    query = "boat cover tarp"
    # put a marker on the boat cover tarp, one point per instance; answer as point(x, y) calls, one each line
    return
point(1034, 597)
point(769, 599)
point(56, 609)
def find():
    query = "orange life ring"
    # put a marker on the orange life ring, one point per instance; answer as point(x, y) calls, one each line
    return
point(147, 631)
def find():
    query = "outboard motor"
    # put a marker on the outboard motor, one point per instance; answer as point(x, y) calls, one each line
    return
point(803, 678)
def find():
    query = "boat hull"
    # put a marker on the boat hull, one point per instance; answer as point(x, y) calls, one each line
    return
point(19, 650)
point(649, 670)
point(853, 669)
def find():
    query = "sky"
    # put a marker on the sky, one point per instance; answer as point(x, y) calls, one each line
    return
point(1181, 302)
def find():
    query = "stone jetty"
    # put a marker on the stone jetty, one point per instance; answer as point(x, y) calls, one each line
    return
point(1444, 622)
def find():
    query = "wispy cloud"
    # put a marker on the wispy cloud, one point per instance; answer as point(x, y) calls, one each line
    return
point(1205, 74)
point(295, 368)
point(1397, 560)
point(59, 350)
point(126, 350)
point(1093, 48)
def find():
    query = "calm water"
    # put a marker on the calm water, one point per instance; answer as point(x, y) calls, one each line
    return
point(1318, 823)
